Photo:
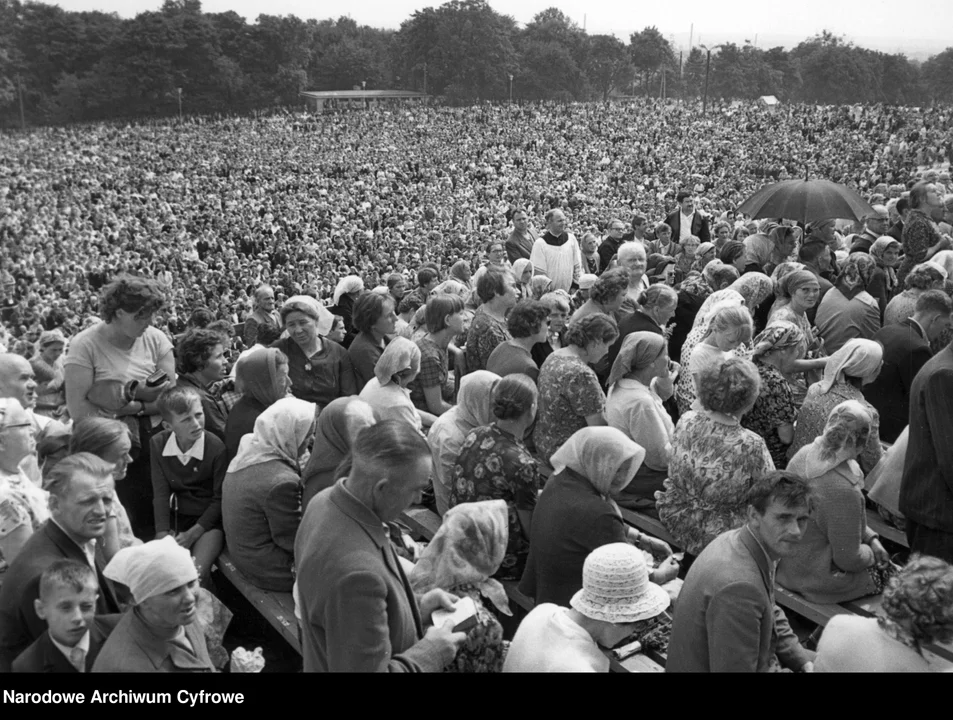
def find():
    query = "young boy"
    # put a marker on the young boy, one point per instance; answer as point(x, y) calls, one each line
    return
point(73, 637)
point(188, 467)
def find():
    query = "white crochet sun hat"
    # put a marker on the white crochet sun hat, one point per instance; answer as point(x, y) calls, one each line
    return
point(616, 587)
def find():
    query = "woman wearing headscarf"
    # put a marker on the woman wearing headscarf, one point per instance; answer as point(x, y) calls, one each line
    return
point(446, 436)
point(346, 292)
point(539, 286)
point(336, 428)
point(522, 276)
point(320, 369)
point(764, 252)
point(848, 311)
point(460, 271)
point(575, 514)
point(774, 412)
point(797, 291)
point(262, 379)
point(634, 407)
point(926, 276)
point(838, 558)
point(757, 289)
point(463, 556)
point(50, 376)
point(387, 392)
point(847, 371)
point(261, 495)
point(263, 315)
point(161, 633)
point(883, 281)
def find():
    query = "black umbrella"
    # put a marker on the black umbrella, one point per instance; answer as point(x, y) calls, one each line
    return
point(807, 201)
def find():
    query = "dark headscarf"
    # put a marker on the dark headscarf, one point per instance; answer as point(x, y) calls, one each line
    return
point(256, 376)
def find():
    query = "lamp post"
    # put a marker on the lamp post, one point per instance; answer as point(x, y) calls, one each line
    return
point(707, 72)
point(511, 88)
point(180, 102)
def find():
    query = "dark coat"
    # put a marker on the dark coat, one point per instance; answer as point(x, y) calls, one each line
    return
point(132, 647)
point(44, 657)
point(700, 227)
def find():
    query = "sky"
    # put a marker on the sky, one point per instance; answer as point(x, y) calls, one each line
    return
point(715, 21)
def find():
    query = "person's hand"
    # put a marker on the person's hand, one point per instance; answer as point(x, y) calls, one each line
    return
point(808, 667)
point(664, 387)
point(436, 599)
point(187, 539)
point(881, 556)
point(149, 394)
point(666, 571)
point(658, 548)
point(444, 640)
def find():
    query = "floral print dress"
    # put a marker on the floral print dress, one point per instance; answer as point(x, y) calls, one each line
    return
point(713, 465)
point(775, 406)
point(569, 392)
point(494, 465)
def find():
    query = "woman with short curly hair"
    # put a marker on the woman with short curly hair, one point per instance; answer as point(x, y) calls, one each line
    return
point(606, 295)
point(528, 324)
point(714, 460)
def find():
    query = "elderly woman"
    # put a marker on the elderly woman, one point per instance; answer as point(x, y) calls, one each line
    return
point(540, 285)
point(160, 633)
point(917, 610)
point(375, 321)
point(262, 379)
point(570, 396)
point(847, 371)
point(765, 252)
point(733, 253)
point(320, 369)
point(775, 411)
point(838, 558)
point(460, 271)
point(263, 315)
point(337, 427)
point(446, 436)
point(883, 280)
point(606, 296)
point(656, 307)
point(346, 293)
point(528, 324)
point(923, 277)
point(200, 362)
point(635, 408)
point(463, 556)
point(714, 460)
point(261, 495)
point(387, 392)
point(575, 515)
point(848, 311)
point(493, 464)
point(50, 375)
point(522, 277)
point(704, 254)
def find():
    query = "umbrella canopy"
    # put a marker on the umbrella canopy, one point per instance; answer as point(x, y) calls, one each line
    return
point(807, 201)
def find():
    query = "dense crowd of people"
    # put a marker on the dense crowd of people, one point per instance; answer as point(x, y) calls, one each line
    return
point(276, 335)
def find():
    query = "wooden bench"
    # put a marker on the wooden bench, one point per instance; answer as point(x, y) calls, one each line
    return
point(885, 530)
point(276, 607)
point(647, 524)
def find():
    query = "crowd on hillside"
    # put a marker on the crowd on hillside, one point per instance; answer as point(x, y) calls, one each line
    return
point(278, 334)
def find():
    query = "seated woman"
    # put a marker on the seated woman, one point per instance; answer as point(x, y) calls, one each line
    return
point(570, 396)
point(495, 465)
point(262, 379)
point(337, 427)
point(474, 409)
point(160, 632)
point(714, 460)
point(488, 329)
point(883, 280)
point(575, 514)
point(528, 324)
point(656, 308)
point(838, 558)
point(50, 375)
point(606, 295)
point(558, 304)
point(200, 362)
point(635, 408)
point(848, 311)
point(387, 392)
point(374, 320)
point(261, 495)
point(797, 293)
point(923, 277)
point(430, 390)
point(775, 411)
point(463, 556)
point(320, 369)
point(917, 610)
point(847, 371)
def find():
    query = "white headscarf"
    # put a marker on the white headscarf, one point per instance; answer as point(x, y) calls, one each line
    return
point(844, 438)
point(599, 454)
point(349, 284)
point(152, 568)
point(313, 309)
point(280, 431)
point(399, 355)
point(857, 358)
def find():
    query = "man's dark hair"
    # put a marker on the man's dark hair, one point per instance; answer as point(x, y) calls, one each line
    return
point(426, 275)
point(682, 195)
point(491, 284)
point(934, 301)
point(811, 251)
point(789, 489)
point(903, 204)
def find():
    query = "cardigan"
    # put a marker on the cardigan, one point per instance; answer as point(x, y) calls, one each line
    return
point(197, 485)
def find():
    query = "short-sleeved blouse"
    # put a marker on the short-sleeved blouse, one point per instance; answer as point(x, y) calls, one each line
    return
point(434, 371)
point(569, 392)
point(775, 406)
point(712, 467)
point(486, 332)
point(494, 465)
point(91, 350)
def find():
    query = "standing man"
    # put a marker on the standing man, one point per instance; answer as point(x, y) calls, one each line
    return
point(556, 254)
point(358, 610)
point(611, 243)
point(520, 242)
point(686, 221)
point(726, 619)
point(875, 225)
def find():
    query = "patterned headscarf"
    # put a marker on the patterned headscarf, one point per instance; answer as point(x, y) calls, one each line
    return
point(716, 299)
point(782, 270)
point(844, 438)
point(857, 358)
point(460, 271)
point(877, 250)
point(599, 454)
point(452, 287)
point(779, 335)
point(540, 285)
point(754, 287)
point(794, 281)
point(639, 349)
point(520, 267)
point(467, 550)
point(856, 274)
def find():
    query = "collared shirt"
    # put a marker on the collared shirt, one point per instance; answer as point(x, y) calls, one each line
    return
point(685, 226)
point(83, 645)
point(197, 450)
point(88, 548)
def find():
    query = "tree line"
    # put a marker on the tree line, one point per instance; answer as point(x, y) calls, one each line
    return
point(61, 67)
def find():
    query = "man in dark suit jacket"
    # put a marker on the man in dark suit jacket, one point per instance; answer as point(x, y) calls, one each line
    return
point(81, 491)
point(906, 349)
point(686, 209)
point(726, 619)
point(358, 610)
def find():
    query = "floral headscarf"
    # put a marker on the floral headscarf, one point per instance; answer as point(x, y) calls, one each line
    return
point(468, 549)
point(638, 350)
point(716, 300)
point(857, 358)
point(754, 287)
point(844, 438)
point(779, 335)
point(782, 270)
point(877, 250)
point(599, 454)
point(540, 285)
point(856, 274)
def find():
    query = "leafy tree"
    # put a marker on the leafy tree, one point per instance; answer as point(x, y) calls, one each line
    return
point(650, 52)
point(609, 66)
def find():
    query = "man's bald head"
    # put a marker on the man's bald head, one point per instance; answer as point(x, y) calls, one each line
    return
point(17, 379)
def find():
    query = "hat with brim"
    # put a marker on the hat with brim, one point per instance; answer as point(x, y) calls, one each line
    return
point(616, 586)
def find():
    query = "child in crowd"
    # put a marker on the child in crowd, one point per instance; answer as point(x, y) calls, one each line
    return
point(73, 637)
point(188, 467)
